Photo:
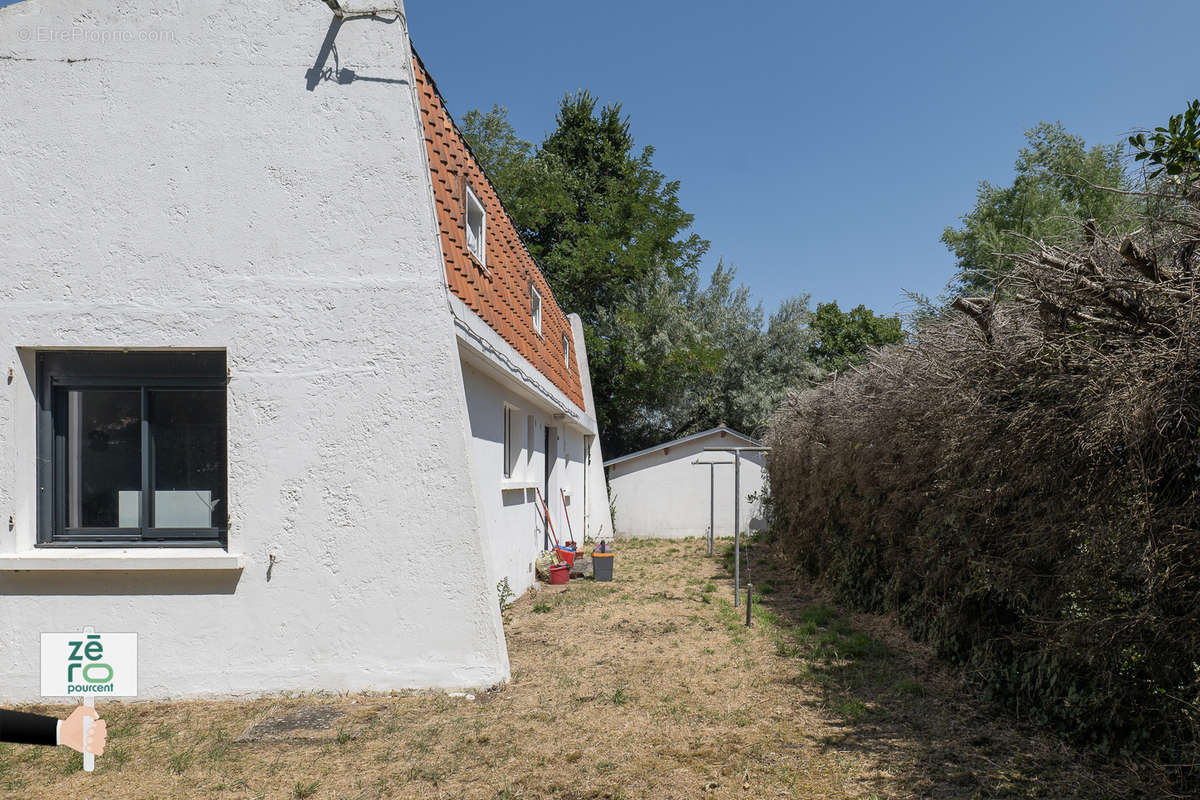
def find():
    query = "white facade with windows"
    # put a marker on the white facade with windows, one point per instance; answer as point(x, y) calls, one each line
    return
point(530, 445)
point(663, 492)
point(243, 416)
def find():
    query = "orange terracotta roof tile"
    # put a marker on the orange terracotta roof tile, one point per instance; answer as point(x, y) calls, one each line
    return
point(500, 295)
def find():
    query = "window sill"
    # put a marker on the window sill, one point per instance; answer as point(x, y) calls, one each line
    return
point(514, 485)
point(140, 560)
point(479, 262)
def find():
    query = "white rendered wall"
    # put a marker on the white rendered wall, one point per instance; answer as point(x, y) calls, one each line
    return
point(512, 513)
point(177, 184)
point(664, 496)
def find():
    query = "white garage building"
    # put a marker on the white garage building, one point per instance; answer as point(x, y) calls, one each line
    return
point(662, 492)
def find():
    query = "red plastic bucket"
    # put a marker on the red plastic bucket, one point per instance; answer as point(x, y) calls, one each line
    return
point(566, 555)
point(560, 574)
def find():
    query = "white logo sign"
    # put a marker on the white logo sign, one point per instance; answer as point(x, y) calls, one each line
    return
point(89, 664)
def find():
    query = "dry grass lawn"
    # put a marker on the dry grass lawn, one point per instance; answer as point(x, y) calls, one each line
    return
point(647, 687)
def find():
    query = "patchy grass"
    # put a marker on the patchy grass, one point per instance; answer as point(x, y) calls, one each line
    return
point(647, 687)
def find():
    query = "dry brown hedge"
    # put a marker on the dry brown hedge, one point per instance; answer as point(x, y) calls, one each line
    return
point(1020, 484)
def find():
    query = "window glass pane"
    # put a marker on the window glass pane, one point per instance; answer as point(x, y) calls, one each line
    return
point(104, 459)
point(508, 443)
point(188, 429)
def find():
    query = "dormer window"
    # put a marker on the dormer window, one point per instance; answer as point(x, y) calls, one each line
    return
point(535, 307)
point(476, 228)
point(566, 351)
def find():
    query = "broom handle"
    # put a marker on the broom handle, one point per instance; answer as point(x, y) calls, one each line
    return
point(549, 524)
point(567, 514)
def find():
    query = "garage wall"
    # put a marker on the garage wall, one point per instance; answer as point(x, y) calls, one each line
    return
point(662, 495)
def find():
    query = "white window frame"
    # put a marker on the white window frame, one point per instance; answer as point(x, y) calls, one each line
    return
point(566, 352)
point(535, 308)
point(473, 200)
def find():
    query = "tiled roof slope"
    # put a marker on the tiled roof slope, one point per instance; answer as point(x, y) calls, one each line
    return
point(500, 294)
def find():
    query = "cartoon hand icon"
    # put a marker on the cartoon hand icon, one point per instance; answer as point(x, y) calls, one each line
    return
point(72, 731)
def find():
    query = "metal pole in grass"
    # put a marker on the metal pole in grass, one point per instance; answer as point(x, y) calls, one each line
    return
point(749, 595)
point(737, 524)
point(712, 497)
point(712, 506)
point(737, 512)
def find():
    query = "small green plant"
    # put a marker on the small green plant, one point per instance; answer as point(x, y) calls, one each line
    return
point(302, 790)
point(541, 607)
point(181, 760)
point(424, 774)
point(506, 594)
point(72, 764)
point(620, 697)
point(116, 755)
point(852, 709)
point(219, 748)
point(818, 614)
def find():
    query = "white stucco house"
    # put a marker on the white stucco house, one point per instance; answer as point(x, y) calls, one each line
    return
point(672, 490)
point(282, 383)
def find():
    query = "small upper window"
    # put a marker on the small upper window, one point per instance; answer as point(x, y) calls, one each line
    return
point(535, 304)
point(476, 228)
point(566, 351)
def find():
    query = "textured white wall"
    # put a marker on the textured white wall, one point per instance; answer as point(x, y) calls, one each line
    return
point(665, 496)
point(169, 180)
point(513, 519)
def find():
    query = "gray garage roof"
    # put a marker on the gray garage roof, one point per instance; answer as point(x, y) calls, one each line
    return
point(750, 442)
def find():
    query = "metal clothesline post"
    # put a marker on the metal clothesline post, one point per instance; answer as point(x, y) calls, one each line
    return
point(737, 511)
point(712, 497)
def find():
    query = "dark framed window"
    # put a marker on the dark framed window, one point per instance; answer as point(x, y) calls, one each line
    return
point(132, 449)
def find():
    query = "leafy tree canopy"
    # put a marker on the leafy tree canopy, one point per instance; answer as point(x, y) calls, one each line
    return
point(842, 338)
point(1059, 182)
point(668, 355)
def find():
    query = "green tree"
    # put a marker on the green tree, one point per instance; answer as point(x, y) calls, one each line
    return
point(842, 338)
point(1058, 183)
point(759, 364)
point(656, 351)
point(668, 357)
point(622, 223)
point(607, 229)
point(532, 188)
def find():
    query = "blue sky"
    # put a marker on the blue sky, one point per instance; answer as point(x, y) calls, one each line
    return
point(824, 147)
